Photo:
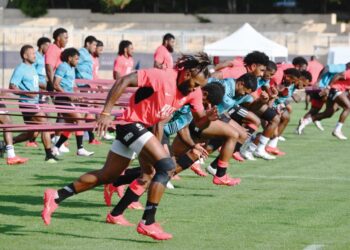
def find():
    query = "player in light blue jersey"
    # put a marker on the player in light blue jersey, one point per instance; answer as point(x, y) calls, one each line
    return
point(318, 97)
point(25, 78)
point(64, 82)
point(84, 68)
point(43, 45)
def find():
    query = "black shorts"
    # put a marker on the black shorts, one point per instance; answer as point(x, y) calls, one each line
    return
point(130, 139)
point(333, 93)
point(63, 101)
point(28, 116)
point(238, 113)
point(224, 118)
point(194, 131)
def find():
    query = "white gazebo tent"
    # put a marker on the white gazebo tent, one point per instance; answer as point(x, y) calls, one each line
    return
point(243, 41)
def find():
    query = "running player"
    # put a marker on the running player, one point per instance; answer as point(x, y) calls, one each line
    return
point(337, 97)
point(64, 83)
point(160, 93)
point(43, 44)
point(25, 78)
point(319, 95)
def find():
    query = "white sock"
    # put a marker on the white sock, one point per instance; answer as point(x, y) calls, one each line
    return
point(10, 150)
point(338, 126)
point(307, 121)
point(262, 142)
point(251, 147)
point(273, 142)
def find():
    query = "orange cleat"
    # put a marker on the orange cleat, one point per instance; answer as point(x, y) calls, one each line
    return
point(118, 220)
point(274, 151)
point(16, 160)
point(154, 231)
point(196, 168)
point(136, 205)
point(238, 157)
point(95, 142)
point(226, 180)
point(49, 205)
point(31, 144)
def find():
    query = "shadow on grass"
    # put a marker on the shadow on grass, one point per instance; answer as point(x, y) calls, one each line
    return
point(38, 200)
point(16, 230)
point(19, 212)
point(189, 194)
point(12, 230)
point(80, 170)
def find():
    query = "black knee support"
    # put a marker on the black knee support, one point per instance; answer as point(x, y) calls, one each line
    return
point(269, 114)
point(164, 170)
point(215, 143)
point(184, 161)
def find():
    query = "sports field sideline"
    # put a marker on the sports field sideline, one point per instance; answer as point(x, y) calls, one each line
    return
point(299, 201)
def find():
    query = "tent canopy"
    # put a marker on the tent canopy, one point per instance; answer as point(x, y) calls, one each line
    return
point(338, 55)
point(245, 40)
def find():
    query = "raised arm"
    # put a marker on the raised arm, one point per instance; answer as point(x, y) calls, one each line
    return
point(114, 94)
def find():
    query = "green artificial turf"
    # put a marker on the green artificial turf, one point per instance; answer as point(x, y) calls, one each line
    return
point(298, 200)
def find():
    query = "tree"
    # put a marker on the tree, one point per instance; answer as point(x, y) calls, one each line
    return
point(32, 8)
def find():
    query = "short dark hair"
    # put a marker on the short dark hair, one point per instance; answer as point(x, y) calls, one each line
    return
point(68, 53)
point(24, 50)
point(306, 74)
point(215, 92)
point(347, 65)
point(89, 39)
point(167, 37)
point(42, 40)
point(256, 57)
point(271, 66)
point(292, 72)
point(58, 32)
point(250, 81)
point(99, 43)
point(299, 60)
point(123, 45)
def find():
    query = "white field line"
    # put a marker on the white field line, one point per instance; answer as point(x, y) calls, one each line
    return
point(314, 247)
point(334, 178)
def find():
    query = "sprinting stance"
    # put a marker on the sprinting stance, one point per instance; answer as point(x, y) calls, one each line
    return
point(159, 94)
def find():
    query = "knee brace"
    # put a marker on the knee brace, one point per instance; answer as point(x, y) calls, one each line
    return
point(269, 114)
point(184, 161)
point(164, 169)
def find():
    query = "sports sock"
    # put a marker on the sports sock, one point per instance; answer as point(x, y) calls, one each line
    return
point(65, 192)
point(60, 141)
point(91, 136)
point(262, 142)
point(124, 202)
point(273, 142)
point(338, 127)
point(10, 150)
point(307, 121)
point(214, 164)
point(221, 169)
point(127, 178)
point(79, 139)
point(237, 147)
point(48, 153)
point(149, 213)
